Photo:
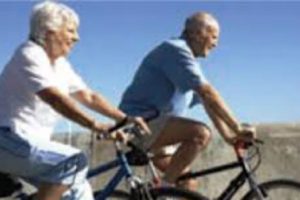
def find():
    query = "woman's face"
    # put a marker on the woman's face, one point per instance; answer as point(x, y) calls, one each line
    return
point(59, 43)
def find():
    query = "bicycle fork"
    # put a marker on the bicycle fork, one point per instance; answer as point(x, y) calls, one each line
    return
point(261, 194)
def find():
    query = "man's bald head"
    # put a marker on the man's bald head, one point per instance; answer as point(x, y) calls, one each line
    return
point(200, 20)
point(201, 32)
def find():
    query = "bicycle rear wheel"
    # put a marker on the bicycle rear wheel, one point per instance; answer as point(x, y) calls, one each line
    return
point(164, 193)
point(277, 190)
point(168, 193)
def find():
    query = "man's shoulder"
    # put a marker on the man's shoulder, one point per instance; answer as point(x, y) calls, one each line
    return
point(176, 43)
point(177, 46)
point(170, 47)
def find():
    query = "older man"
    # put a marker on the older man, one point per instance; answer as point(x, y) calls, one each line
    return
point(173, 80)
point(37, 84)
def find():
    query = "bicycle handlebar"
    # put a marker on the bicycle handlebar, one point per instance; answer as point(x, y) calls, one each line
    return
point(240, 146)
point(147, 116)
point(244, 145)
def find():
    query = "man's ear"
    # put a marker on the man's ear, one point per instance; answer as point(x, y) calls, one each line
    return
point(200, 34)
point(192, 35)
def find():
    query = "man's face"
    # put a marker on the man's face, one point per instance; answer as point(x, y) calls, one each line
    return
point(60, 42)
point(205, 40)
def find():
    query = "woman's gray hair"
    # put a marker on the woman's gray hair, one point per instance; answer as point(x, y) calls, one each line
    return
point(49, 15)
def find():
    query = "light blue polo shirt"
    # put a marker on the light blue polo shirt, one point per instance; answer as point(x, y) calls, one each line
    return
point(165, 81)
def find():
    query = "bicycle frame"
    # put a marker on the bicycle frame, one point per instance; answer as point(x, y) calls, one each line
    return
point(123, 172)
point(235, 183)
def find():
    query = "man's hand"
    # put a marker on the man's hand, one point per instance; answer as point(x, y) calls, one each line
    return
point(247, 132)
point(231, 140)
point(121, 136)
point(139, 122)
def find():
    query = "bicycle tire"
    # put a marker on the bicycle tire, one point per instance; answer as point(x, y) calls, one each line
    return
point(175, 193)
point(158, 194)
point(117, 194)
point(277, 190)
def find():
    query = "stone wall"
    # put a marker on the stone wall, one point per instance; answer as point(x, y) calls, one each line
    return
point(280, 156)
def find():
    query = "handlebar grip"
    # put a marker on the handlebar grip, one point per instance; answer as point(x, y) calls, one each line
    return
point(118, 125)
point(243, 145)
point(147, 116)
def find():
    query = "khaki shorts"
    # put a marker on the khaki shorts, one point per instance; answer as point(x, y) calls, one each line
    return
point(156, 126)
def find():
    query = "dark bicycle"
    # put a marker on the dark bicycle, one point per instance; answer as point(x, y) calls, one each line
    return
point(124, 159)
point(277, 189)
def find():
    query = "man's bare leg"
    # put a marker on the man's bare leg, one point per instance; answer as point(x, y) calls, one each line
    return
point(51, 192)
point(162, 163)
point(192, 137)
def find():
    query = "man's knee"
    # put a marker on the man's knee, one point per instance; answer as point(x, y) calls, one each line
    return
point(202, 134)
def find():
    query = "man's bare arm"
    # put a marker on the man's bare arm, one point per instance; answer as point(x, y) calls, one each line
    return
point(217, 105)
point(221, 126)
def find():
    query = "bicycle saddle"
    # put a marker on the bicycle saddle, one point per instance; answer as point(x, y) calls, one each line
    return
point(8, 185)
point(136, 156)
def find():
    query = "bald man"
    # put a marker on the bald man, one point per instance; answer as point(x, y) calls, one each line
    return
point(170, 80)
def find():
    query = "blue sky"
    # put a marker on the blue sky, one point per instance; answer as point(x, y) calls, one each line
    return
point(256, 66)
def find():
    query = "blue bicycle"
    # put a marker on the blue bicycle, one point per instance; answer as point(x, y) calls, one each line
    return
point(138, 189)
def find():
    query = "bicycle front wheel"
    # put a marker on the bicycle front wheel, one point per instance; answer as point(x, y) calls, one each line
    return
point(277, 190)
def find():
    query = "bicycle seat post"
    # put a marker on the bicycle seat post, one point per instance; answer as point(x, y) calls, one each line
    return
point(155, 177)
point(117, 145)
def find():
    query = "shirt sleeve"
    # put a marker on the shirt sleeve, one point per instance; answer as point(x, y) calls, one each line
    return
point(195, 100)
point(35, 71)
point(74, 81)
point(183, 69)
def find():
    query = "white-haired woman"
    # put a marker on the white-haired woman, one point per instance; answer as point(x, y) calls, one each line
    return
point(36, 84)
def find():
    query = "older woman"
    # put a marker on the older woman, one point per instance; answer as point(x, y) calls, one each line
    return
point(37, 84)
